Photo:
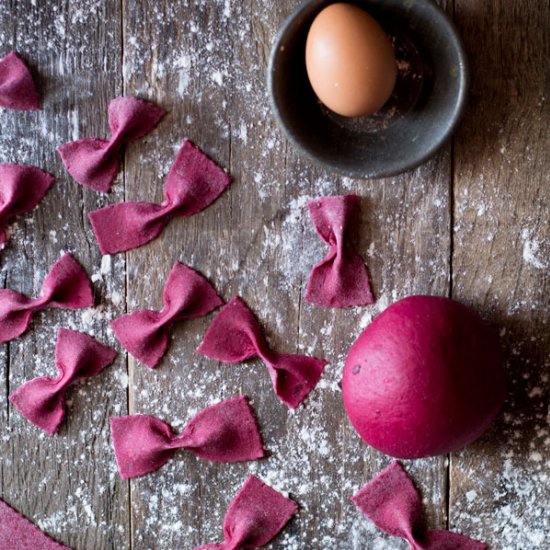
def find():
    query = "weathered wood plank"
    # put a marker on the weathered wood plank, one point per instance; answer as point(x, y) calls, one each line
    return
point(66, 484)
point(501, 258)
point(180, 58)
point(406, 255)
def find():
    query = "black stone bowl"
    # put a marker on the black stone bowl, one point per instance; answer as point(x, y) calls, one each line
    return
point(426, 104)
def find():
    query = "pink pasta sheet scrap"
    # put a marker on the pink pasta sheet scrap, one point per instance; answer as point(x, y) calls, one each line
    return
point(254, 517)
point(145, 333)
point(393, 504)
point(77, 357)
point(193, 183)
point(235, 335)
point(18, 533)
point(66, 286)
point(94, 162)
point(224, 432)
point(21, 189)
point(341, 278)
point(17, 89)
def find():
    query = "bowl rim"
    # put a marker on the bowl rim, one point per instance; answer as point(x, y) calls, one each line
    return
point(463, 84)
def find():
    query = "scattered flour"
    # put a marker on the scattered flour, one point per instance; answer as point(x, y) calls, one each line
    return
point(318, 468)
point(531, 251)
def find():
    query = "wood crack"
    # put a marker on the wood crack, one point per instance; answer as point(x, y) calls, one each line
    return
point(451, 206)
point(8, 364)
point(129, 372)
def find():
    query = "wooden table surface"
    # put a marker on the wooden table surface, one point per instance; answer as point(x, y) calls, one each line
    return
point(472, 223)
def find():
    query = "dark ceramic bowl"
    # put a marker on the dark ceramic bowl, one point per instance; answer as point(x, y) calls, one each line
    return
point(426, 104)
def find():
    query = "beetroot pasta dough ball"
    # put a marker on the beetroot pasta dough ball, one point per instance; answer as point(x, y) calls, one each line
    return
point(424, 378)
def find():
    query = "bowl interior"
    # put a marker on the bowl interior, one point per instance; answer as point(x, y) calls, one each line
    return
point(421, 114)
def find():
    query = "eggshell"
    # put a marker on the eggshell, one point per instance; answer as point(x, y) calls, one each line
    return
point(350, 60)
point(424, 378)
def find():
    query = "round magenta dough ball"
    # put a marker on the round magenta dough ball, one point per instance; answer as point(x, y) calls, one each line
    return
point(424, 378)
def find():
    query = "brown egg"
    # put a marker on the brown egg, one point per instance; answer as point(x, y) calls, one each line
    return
point(350, 61)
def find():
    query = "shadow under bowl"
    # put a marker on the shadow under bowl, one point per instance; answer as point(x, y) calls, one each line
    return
point(426, 104)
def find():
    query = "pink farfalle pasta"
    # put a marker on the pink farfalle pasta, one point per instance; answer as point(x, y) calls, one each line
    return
point(66, 286)
point(18, 533)
point(145, 333)
point(21, 189)
point(94, 162)
point(235, 335)
point(254, 517)
point(224, 432)
point(341, 278)
point(193, 183)
point(77, 357)
point(17, 89)
point(393, 504)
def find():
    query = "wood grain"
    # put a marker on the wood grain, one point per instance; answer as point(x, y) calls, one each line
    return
point(257, 241)
point(66, 483)
point(501, 261)
point(471, 223)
